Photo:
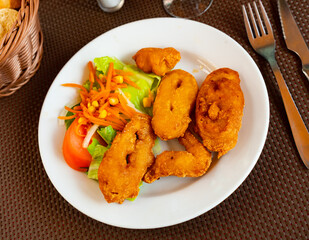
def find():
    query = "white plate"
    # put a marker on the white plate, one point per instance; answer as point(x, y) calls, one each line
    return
point(170, 200)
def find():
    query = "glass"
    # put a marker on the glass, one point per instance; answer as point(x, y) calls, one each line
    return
point(186, 8)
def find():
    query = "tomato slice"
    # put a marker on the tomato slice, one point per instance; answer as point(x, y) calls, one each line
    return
point(74, 154)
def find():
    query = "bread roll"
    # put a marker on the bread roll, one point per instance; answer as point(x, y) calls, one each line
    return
point(10, 3)
point(7, 19)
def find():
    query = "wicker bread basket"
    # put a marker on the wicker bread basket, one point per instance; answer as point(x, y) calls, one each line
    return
point(21, 49)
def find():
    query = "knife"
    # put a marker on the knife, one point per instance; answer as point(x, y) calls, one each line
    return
point(293, 38)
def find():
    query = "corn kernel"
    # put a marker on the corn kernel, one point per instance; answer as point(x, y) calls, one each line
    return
point(128, 95)
point(88, 104)
point(81, 120)
point(147, 102)
point(103, 114)
point(91, 109)
point(118, 79)
point(113, 101)
point(95, 103)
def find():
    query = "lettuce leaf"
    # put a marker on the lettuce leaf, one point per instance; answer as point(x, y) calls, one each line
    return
point(97, 152)
point(157, 147)
point(68, 122)
point(108, 134)
point(102, 63)
point(147, 82)
point(95, 86)
point(132, 199)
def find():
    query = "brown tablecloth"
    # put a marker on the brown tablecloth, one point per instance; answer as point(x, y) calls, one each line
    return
point(272, 203)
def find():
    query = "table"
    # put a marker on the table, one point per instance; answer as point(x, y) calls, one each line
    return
point(272, 203)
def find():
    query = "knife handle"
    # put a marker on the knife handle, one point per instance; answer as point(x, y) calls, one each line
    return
point(298, 127)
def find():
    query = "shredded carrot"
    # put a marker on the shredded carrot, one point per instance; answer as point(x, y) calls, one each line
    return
point(109, 76)
point(100, 121)
point(71, 110)
point(125, 106)
point(123, 111)
point(91, 73)
point(103, 94)
point(116, 113)
point(94, 101)
point(116, 86)
point(105, 105)
point(123, 85)
point(115, 121)
point(128, 81)
point(75, 85)
point(83, 96)
point(100, 83)
point(67, 118)
point(113, 95)
point(123, 73)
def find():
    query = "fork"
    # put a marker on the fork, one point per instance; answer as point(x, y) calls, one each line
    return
point(262, 40)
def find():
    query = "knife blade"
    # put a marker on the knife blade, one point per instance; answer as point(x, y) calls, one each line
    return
point(292, 35)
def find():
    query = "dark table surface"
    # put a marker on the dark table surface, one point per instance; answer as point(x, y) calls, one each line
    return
point(272, 203)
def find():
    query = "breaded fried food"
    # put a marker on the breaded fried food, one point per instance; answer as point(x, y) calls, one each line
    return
point(174, 101)
point(219, 110)
point(127, 161)
point(157, 60)
point(193, 162)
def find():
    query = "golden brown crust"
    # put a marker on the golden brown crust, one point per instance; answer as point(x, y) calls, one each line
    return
point(174, 101)
point(219, 110)
point(193, 162)
point(10, 4)
point(157, 60)
point(127, 161)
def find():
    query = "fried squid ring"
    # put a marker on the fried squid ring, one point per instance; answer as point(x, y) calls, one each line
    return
point(174, 101)
point(219, 110)
point(127, 161)
point(157, 60)
point(193, 162)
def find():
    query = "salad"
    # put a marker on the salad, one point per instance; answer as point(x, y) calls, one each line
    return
point(112, 94)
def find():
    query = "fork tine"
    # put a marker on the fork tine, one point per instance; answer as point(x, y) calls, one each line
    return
point(259, 20)
point(253, 22)
point(247, 24)
point(265, 19)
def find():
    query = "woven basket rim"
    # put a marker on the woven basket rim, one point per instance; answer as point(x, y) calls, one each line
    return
point(12, 41)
